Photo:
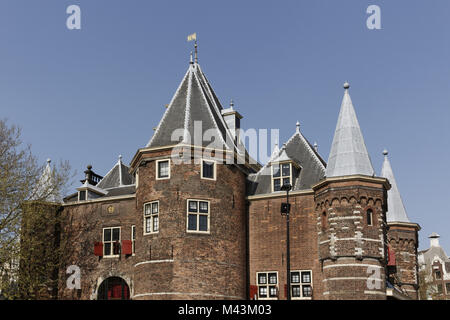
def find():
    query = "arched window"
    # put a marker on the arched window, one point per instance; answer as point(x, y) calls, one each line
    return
point(324, 220)
point(369, 217)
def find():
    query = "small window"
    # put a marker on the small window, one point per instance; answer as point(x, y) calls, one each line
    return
point(198, 216)
point(82, 195)
point(133, 239)
point(369, 217)
point(267, 285)
point(447, 287)
point(281, 175)
point(151, 217)
point(301, 284)
point(208, 170)
point(163, 169)
point(111, 241)
point(439, 288)
point(438, 274)
point(324, 220)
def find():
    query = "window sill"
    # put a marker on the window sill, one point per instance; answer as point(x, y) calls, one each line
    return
point(150, 233)
point(112, 257)
point(198, 232)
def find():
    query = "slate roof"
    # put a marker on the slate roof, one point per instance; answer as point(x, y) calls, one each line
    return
point(116, 177)
point(348, 155)
point(193, 101)
point(396, 209)
point(303, 154)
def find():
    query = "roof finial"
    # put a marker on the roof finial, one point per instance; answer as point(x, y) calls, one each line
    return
point(316, 147)
point(346, 85)
point(385, 152)
point(231, 104)
point(297, 127)
point(49, 160)
point(120, 158)
point(196, 56)
point(190, 61)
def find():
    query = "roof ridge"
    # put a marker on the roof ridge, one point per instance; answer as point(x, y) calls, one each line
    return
point(188, 105)
point(168, 108)
point(209, 111)
point(311, 151)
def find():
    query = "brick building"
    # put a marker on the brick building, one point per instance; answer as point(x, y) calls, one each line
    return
point(194, 217)
point(435, 267)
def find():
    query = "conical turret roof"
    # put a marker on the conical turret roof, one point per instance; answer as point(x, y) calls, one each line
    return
point(396, 210)
point(194, 104)
point(348, 155)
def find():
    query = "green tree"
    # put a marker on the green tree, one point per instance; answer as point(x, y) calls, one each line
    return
point(29, 202)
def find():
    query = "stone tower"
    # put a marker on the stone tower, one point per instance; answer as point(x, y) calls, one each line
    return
point(350, 209)
point(199, 250)
point(402, 238)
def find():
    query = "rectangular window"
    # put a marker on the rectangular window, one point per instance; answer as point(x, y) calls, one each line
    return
point(151, 217)
point(301, 284)
point(208, 170)
point(198, 216)
point(82, 195)
point(111, 241)
point(281, 174)
point(447, 287)
point(267, 285)
point(133, 239)
point(438, 274)
point(163, 169)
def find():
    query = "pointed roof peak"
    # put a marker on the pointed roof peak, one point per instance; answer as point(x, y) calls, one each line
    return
point(396, 210)
point(348, 155)
point(193, 110)
point(297, 127)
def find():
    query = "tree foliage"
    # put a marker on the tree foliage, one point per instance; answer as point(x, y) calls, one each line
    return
point(29, 202)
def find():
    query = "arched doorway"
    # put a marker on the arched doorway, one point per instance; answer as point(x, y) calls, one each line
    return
point(113, 288)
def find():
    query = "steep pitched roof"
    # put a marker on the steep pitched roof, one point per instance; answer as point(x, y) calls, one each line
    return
point(118, 176)
point(396, 209)
point(194, 104)
point(348, 155)
point(300, 151)
point(46, 189)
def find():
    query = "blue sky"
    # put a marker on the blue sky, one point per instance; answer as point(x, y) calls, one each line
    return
point(89, 95)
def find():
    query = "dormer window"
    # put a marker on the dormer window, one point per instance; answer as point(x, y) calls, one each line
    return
point(281, 174)
point(82, 195)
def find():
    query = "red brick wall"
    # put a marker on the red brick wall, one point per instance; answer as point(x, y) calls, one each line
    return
point(267, 243)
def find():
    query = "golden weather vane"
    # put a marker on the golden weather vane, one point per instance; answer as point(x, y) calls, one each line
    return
point(193, 37)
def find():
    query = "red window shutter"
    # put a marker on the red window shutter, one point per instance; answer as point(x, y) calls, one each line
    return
point(98, 249)
point(391, 257)
point(253, 292)
point(127, 247)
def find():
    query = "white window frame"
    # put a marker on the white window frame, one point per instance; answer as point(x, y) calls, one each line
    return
point(151, 216)
point(301, 284)
point(157, 169)
point(267, 285)
point(281, 177)
point(85, 195)
point(214, 169)
point(112, 242)
point(208, 215)
point(133, 240)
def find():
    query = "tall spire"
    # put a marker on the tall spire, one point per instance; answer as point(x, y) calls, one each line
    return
point(196, 53)
point(348, 155)
point(396, 210)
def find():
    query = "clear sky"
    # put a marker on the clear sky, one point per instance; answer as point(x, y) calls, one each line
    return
point(89, 95)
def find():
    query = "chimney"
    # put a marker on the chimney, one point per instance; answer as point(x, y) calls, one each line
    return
point(233, 120)
point(434, 239)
